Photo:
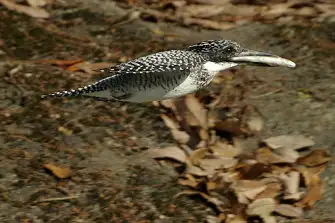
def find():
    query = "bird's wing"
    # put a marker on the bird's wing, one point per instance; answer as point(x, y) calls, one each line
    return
point(166, 62)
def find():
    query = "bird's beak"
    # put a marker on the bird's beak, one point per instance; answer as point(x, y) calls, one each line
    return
point(261, 58)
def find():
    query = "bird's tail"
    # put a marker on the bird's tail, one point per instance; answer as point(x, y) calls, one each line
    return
point(72, 93)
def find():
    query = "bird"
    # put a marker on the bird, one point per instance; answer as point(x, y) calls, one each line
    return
point(173, 73)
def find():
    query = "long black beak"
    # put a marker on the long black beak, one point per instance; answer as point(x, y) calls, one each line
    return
point(262, 59)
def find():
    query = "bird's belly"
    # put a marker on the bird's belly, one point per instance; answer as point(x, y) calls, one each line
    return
point(184, 87)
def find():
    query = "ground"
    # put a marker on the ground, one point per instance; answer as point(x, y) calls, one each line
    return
point(113, 179)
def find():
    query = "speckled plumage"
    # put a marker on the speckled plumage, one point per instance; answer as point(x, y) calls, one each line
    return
point(162, 75)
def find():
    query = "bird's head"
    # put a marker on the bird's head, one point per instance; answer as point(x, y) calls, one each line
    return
point(221, 51)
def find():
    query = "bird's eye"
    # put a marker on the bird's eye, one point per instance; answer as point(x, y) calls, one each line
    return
point(230, 49)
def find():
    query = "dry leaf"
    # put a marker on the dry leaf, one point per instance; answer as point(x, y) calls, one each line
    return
point(291, 181)
point(37, 3)
point(289, 142)
point(255, 124)
point(172, 152)
point(65, 131)
point(225, 150)
point(59, 172)
point(61, 62)
point(169, 122)
point(261, 207)
point(268, 219)
point(235, 219)
point(287, 154)
point(313, 195)
point(196, 171)
point(211, 185)
point(88, 67)
point(201, 11)
point(209, 24)
point(197, 109)
point(315, 158)
point(266, 156)
point(233, 127)
point(30, 11)
point(196, 155)
point(188, 182)
point(210, 165)
point(289, 210)
point(310, 179)
point(272, 190)
point(213, 200)
point(180, 136)
point(246, 190)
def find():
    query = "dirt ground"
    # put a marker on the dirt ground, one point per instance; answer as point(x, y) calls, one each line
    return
point(113, 179)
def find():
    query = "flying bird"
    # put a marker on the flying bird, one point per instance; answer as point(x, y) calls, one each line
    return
point(173, 73)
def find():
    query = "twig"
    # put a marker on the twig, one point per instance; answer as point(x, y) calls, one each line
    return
point(58, 199)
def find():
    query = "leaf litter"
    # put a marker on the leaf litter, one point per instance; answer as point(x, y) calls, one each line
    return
point(281, 177)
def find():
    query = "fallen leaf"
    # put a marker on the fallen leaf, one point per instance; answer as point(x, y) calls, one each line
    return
point(210, 165)
point(201, 11)
point(289, 210)
point(255, 124)
point(272, 190)
point(65, 131)
point(287, 154)
point(59, 172)
point(180, 136)
point(169, 122)
point(246, 190)
point(268, 219)
point(225, 150)
point(315, 158)
point(196, 171)
point(37, 3)
point(61, 62)
point(230, 126)
point(30, 11)
point(291, 181)
point(88, 67)
point(196, 155)
point(261, 207)
point(313, 195)
point(266, 156)
point(172, 152)
point(197, 109)
point(235, 219)
point(289, 142)
point(214, 200)
point(211, 185)
point(209, 24)
point(188, 182)
point(310, 178)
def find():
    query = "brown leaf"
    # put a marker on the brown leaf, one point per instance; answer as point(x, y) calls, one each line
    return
point(197, 109)
point(210, 165)
point(225, 150)
point(211, 185)
point(209, 24)
point(235, 219)
point(266, 156)
point(230, 126)
point(214, 200)
point(289, 142)
point(37, 3)
point(61, 62)
point(313, 195)
point(289, 210)
point(287, 154)
point(196, 171)
point(30, 11)
point(196, 155)
point(310, 178)
point(169, 122)
point(188, 182)
point(272, 190)
point(201, 11)
point(315, 158)
point(180, 136)
point(255, 124)
point(291, 181)
point(60, 172)
point(261, 207)
point(172, 152)
point(246, 190)
point(88, 67)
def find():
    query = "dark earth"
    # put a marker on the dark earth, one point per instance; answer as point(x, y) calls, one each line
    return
point(113, 179)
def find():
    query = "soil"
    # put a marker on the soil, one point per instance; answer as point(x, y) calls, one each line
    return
point(113, 179)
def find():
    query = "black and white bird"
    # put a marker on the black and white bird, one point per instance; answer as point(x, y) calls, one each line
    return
point(173, 73)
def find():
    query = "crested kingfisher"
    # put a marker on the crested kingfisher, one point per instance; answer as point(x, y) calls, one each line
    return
point(172, 73)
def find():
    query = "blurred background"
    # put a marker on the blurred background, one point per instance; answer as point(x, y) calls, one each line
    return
point(80, 160)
